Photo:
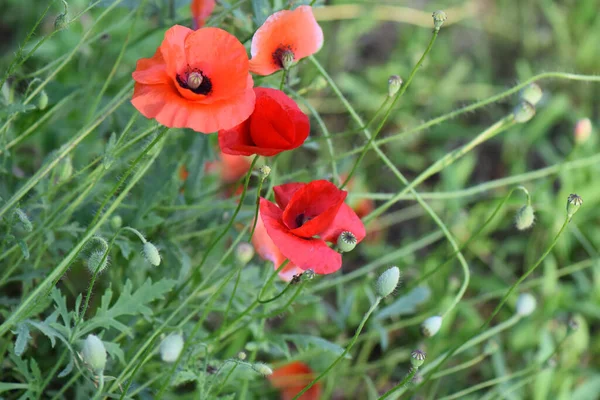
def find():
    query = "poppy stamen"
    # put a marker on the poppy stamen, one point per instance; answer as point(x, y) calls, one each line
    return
point(283, 57)
point(301, 219)
point(195, 81)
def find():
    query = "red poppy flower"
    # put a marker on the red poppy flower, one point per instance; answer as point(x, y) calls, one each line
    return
point(267, 250)
point(294, 34)
point(291, 378)
point(201, 10)
point(196, 79)
point(305, 218)
point(276, 125)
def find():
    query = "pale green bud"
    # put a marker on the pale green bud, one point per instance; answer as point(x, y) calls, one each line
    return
point(525, 218)
point(244, 253)
point(532, 93)
point(151, 254)
point(394, 84)
point(116, 222)
point(262, 369)
point(523, 112)
point(171, 347)
point(526, 304)
point(431, 326)
point(94, 353)
point(42, 101)
point(439, 17)
point(387, 282)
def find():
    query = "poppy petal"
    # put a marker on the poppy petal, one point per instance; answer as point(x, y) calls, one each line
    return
point(151, 71)
point(267, 250)
point(345, 220)
point(291, 378)
point(172, 49)
point(313, 208)
point(283, 193)
point(304, 253)
point(295, 30)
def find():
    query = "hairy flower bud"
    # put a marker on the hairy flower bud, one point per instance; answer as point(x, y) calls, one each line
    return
point(24, 219)
point(241, 356)
point(97, 261)
point(394, 84)
point(523, 112)
point(151, 254)
point(171, 347)
point(417, 358)
point(573, 204)
point(94, 353)
point(439, 17)
point(116, 222)
point(262, 369)
point(387, 282)
point(42, 101)
point(64, 170)
point(244, 253)
point(431, 326)
point(532, 93)
point(526, 304)
point(525, 218)
point(346, 242)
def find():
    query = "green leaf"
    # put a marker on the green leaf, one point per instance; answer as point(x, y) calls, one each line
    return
point(128, 303)
point(15, 108)
point(22, 339)
point(67, 370)
point(261, 10)
point(405, 304)
point(24, 248)
point(306, 342)
point(115, 351)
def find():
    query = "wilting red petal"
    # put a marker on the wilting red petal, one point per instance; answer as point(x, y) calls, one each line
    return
point(313, 208)
point(201, 10)
point(304, 253)
point(267, 250)
point(296, 31)
point(277, 124)
point(291, 378)
point(283, 193)
point(345, 220)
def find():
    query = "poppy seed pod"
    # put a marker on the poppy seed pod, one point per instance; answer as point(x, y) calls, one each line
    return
point(262, 369)
point(431, 326)
point(417, 358)
point(523, 112)
point(573, 204)
point(532, 93)
point(94, 353)
point(170, 348)
point(346, 242)
point(439, 17)
point(151, 254)
point(387, 282)
point(525, 218)
point(394, 84)
point(526, 304)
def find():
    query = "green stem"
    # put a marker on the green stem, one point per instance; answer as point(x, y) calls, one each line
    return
point(255, 221)
point(346, 350)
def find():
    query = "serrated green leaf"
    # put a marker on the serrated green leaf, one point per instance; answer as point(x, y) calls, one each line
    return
point(15, 108)
point(406, 304)
point(67, 370)
point(22, 339)
point(128, 303)
point(115, 351)
point(307, 341)
point(184, 376)
point(24, 248)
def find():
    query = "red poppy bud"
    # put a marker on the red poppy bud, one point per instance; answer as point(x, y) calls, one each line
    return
point(277, 124)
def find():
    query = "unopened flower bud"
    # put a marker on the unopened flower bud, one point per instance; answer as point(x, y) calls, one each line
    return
point(171, 347)
point(346, 242)
point(394, 84)
point(526, 304)
point(64, 170)
point(97, 262)
point(62, 20)
point(573, 204)
point(439, 17)
point(24, 219)
point(264, 171)
point(287, 59)
point(94, 353)
point(583, 130)
point(523, 112)
point(42, 101)
point(431, 326)
point(116, 222)
point(244, 253)
point(532, 93)
point(525, 218)
point(151, 254)
point(241, 356)
point(387, 282)
point(262, 369)
point(417, 358)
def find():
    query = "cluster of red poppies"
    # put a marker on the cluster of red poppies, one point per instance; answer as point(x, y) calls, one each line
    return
point(200, 79)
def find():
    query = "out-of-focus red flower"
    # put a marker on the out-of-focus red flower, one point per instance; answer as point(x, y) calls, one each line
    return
point(196, 79)
point(291, 378)
point(201, 10)
point(305, 218)
point(285, 35)
point(267, 250)
point(183, 173)
point(230, 168)
point(276, 125)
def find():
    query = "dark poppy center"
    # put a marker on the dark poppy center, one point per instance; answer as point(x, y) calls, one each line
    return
point(283, 57)
point(301, 219)
point(195, 80)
